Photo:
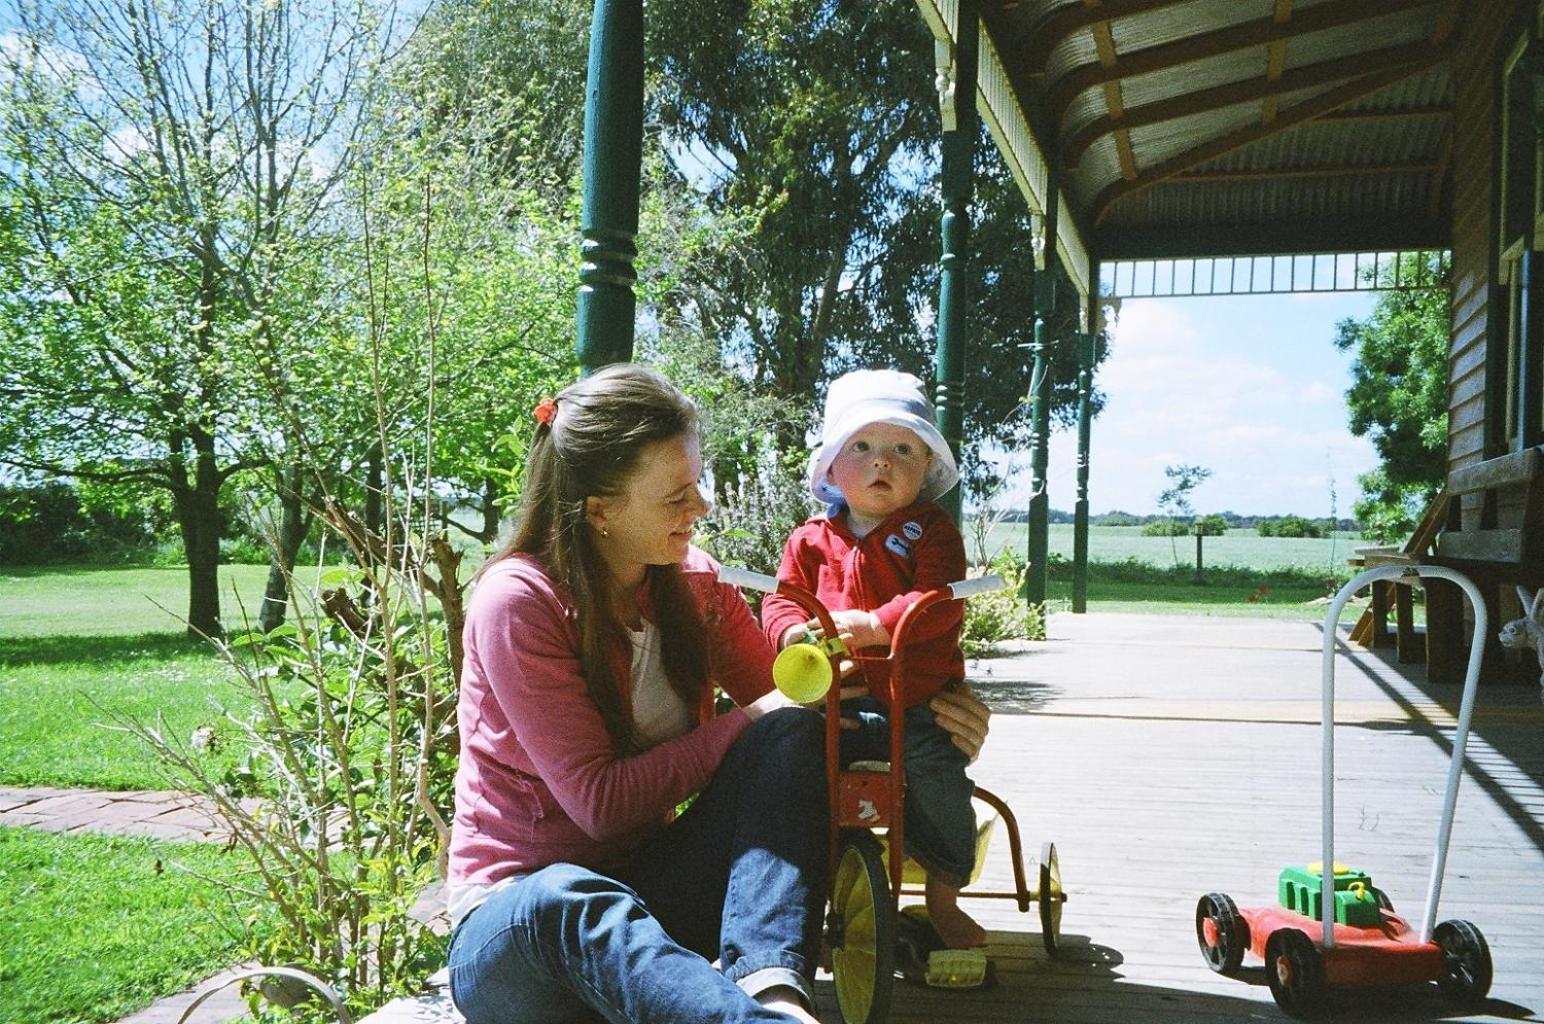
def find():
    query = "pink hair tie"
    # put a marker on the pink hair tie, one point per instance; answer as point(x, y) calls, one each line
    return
point(545, 410)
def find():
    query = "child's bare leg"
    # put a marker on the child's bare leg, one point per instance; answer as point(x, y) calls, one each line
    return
point(957, 928)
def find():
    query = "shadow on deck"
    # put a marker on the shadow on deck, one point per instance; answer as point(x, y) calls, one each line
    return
point(1170, 756)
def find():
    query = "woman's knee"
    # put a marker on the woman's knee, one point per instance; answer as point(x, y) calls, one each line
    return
point(795, 736)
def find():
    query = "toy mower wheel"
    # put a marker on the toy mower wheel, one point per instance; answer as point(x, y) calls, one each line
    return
point(862, 931)
point(1295, 970)
point(1466, 980)
point(1051, 897)
point(1222, 932)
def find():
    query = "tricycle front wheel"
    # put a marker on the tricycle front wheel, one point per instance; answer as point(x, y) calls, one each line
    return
point(862, 927)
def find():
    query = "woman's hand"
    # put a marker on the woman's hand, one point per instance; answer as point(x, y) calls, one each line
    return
point(961, 714)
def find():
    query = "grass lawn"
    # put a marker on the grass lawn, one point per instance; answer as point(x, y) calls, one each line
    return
point(83, 601)
point(1237, 547)
point(77, 645)
point(96, 927)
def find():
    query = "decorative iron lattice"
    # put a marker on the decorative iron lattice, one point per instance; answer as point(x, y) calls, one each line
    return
point(1274, 275)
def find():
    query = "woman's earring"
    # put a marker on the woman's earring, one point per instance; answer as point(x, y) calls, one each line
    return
point(605, 532)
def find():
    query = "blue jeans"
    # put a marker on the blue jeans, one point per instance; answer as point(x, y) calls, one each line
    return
point(940, 821)
point(740, 876)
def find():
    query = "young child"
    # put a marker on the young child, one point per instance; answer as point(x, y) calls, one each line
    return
point(881, 544)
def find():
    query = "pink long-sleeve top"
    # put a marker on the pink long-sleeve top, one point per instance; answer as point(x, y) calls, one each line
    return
point(538, 782)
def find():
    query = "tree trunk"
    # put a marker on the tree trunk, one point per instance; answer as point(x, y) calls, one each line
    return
point(198, 513)
point(293, 524)
point(490, 511)
point(373, 482)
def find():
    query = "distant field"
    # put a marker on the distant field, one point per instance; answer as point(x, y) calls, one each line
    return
point(1243, 548)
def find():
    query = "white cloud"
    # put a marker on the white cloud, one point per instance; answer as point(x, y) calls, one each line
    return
point(1180, 389)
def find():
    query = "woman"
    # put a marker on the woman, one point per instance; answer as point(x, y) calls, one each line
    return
point(593, 640)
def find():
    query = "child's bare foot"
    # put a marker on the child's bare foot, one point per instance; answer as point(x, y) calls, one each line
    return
point(785, 999)
point(957, 929)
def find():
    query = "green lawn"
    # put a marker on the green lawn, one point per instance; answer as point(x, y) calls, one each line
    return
point(84, 601)
point(96, 927)
point(1238, 547)
point(79, 645)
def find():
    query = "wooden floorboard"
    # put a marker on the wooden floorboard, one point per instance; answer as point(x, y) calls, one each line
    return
point(1169, 757)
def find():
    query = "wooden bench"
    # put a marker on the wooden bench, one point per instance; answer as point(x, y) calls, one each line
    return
point(1372, 628)
point(1496, 538)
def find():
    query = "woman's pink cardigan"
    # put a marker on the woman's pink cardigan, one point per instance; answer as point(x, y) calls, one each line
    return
point(538, 782)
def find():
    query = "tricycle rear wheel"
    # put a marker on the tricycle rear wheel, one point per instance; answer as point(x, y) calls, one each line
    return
point(1051, 898)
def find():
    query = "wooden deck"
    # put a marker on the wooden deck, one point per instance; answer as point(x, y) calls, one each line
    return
point(1168, 757)
point(1172, 756)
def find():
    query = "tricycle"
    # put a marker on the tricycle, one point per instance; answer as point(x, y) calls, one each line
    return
point(869, 936)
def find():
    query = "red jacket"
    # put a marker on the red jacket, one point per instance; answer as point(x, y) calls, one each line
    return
point(911, 552)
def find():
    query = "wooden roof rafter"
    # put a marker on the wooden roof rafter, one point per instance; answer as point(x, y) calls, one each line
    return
point(1234, 93)
point(1241, 36)
point(1104, 44)
point(1298, 114)
point(1275, 61)
point(1321, 171)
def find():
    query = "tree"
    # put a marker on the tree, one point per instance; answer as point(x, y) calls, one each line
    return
point(816, 127)
point(1174, 501)
point(170, 164)
point(1398, 399)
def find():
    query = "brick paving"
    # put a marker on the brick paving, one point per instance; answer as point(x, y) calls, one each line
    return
point(157, 814)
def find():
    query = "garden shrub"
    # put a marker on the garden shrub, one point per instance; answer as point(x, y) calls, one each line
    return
point(993, 618)
point(1290, 526)
point(57, 522)
point(1166, 528)
point(352, 757)
point(753, 517)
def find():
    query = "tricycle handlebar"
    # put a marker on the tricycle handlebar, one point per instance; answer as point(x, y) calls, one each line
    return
point(975, 587)
point(747, 580)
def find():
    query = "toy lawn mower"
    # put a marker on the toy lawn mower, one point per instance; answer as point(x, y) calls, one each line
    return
point(1332, 927)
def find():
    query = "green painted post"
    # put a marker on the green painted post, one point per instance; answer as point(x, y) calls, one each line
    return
point(1040, 420)
point(1080, 514)
point(613, 159)
point(1039, 541)
point(957, 100)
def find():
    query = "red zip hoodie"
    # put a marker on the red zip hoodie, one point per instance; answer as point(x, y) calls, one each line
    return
point(910, 552)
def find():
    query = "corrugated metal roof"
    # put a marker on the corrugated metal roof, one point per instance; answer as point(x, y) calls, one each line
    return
point(1195, 97)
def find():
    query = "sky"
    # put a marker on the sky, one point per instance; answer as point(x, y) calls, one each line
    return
point(1250, 387)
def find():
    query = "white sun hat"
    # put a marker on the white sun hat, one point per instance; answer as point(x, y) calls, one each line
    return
point(879, 396)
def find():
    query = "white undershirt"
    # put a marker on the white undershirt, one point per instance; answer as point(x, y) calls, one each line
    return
point(659, 713)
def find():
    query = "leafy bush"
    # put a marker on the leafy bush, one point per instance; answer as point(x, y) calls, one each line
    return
point(1290, 526)
point(993, 618)
point(353, 746)
point(1166, 528)
point(752, 517)
point(55, 522)
point(1210, 526)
